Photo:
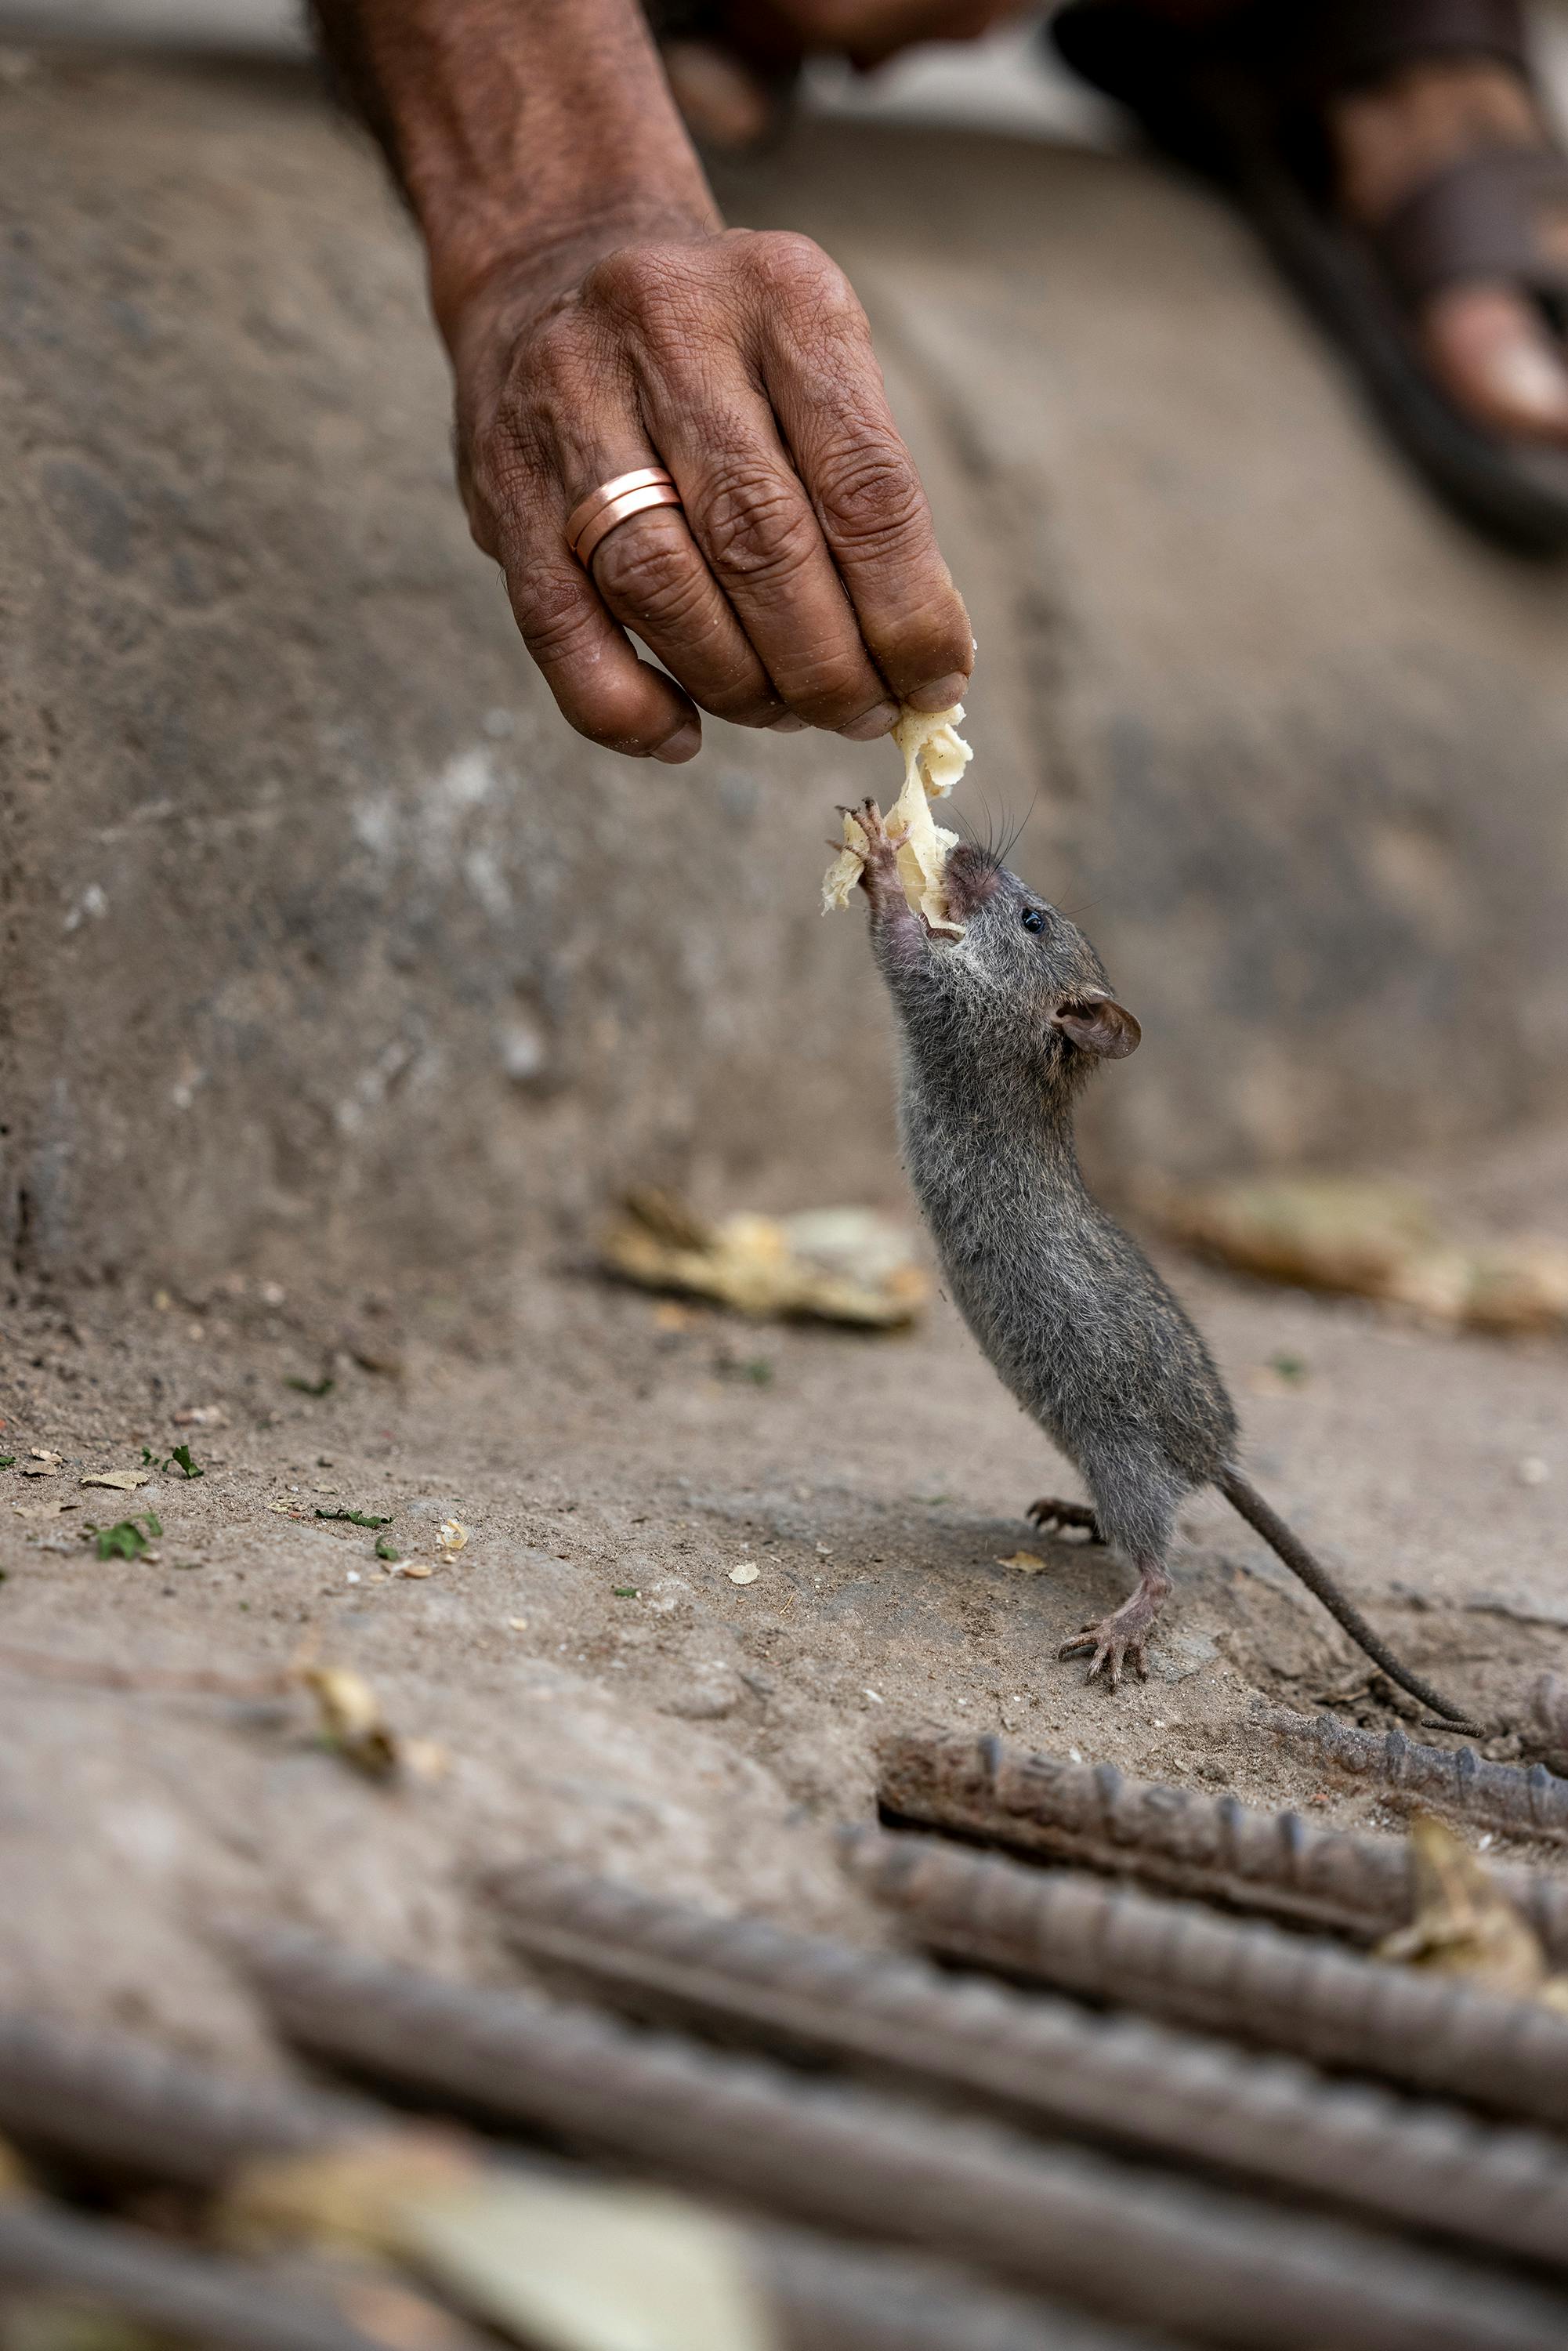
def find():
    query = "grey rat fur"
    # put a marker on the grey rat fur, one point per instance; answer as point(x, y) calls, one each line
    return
point(1000, 1027)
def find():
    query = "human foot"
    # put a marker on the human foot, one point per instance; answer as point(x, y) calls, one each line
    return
point(1485, 336)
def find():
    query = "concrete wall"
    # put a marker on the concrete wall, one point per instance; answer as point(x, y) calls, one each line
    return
point(323, 938)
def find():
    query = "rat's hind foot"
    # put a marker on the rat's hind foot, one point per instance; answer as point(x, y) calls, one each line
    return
point(1113, 1646)
point(1120, 1639)
point(1050, 1515)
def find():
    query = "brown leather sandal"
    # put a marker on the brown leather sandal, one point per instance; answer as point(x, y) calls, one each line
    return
point(1240, 98)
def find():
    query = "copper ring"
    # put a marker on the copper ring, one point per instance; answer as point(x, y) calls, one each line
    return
point(615, 501)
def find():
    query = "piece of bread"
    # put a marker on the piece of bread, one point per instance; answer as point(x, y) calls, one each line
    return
point(934, 756)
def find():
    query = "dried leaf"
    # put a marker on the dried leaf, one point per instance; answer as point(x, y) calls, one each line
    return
point(416, 1568)
point(347, 2195)
point(1027, 1562)
point(120, 1482)
point(1464, 1924)
point(40, 1463)
point(581, 2267)
point(451, 1538)
point(838, 1265)
point(351, 1719)
point(590, 2268)
point(1374, 1240)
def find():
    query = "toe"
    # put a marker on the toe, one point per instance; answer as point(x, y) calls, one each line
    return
point(1493, 354)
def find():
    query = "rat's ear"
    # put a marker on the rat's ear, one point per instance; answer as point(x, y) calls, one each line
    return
point(1098, 1024)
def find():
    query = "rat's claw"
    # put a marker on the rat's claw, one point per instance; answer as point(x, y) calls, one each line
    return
point(1114, 1645)
point(1049, 1512)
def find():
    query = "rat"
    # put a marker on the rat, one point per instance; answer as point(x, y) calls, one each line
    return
point(1001, 1024)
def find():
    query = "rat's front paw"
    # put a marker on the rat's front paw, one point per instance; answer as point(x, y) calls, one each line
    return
point(1118, 1640)
point(1054, 1517)
point(880, 871)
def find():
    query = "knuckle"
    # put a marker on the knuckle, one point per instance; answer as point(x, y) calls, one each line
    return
point(756, 530)
point(794, 268)
point(870, 498)
point(557, 619)
point(651, 575)
point(650, 286)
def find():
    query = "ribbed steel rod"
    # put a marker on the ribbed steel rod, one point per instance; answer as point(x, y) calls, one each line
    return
point(1048, 2061)
point(829, 2298)
point(1272, 1863)
point(192, 2296)
point(1522, 1803)
point(1179, 1962)
point(116, 2106)
point(110, 2106)
point(1199, 2262)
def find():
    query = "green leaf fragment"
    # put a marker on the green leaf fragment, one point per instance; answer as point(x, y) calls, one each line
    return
point(353, 1518)
point(128, 1540)
point(312, 1387)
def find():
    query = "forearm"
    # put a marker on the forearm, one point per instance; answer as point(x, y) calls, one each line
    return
point(528, 135)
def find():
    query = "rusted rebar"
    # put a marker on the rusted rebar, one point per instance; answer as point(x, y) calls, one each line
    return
point(126, 2107)
point(1455, 1780)
point(1198, 2261)
point(1114, 2079)
point(1252, 1983)
point(111, 2107)
point(1272, 1863)
point(829, 2298)
point(193, 2297)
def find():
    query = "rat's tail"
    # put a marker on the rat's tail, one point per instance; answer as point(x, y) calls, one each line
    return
point(1244, 1497)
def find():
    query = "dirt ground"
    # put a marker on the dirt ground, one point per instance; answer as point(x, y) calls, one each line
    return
point(600, 1685)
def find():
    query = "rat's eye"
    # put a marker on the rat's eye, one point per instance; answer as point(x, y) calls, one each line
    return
point(1033, 918)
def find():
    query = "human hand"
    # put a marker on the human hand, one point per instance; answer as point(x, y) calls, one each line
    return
point(801, 586)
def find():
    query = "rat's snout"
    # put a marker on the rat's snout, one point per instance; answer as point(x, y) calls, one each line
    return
point(969, 879)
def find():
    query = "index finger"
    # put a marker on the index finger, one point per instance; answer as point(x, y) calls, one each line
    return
point(826, 391)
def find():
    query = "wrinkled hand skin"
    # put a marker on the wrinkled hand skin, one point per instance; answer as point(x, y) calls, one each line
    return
point(802, 586)
point(601, 317)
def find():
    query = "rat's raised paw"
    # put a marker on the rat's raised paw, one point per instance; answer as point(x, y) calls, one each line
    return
point(1051, 1516)
point(881, 854)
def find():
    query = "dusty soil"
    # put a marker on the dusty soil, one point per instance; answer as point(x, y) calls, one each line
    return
point(600, 1685)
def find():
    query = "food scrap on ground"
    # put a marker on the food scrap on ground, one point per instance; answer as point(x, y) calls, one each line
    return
point(835, 1265)
point(1465, 1924)
point(934, 756)
point(352, 1723)
point(1373, 1239)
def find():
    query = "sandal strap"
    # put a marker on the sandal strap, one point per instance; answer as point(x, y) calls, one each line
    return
point(1347, 42)
point(1502, 213)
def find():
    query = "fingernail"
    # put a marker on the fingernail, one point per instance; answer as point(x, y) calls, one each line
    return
point(683, 744)
point(1528, 379)
point(788, 725)
point(941, 696)
point(874, 723)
